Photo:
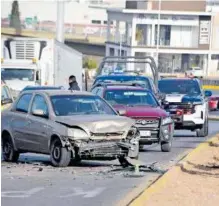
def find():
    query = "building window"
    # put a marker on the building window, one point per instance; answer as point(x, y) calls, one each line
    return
point(105, 22)
point(112, 50)
point(96, 22)
point(218, 65)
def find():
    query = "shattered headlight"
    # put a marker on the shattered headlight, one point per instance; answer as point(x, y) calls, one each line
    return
point(132, 132)
point(78, 133)
point(167, 120)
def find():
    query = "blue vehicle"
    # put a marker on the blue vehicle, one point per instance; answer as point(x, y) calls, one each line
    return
point(146, 82)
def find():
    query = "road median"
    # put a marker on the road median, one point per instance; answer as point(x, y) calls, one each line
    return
point(213, 117)
point(193, 181)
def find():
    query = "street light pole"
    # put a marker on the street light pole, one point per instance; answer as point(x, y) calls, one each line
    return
point(120, 44)
point(158, 33)
point(60, 21)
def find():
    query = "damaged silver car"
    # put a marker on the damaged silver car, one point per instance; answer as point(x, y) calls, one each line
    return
point(70, 126)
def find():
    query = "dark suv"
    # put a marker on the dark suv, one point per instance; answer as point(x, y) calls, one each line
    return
point(154, 123)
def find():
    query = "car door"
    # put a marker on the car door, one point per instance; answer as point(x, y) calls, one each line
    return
point(19, 122)
point(39, 125)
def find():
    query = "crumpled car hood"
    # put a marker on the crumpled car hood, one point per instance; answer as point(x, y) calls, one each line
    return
point(97, 123)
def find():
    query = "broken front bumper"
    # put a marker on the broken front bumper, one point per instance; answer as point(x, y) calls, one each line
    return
point(107, 150)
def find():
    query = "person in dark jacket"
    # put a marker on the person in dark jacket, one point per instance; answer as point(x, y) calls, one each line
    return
point(73, 85)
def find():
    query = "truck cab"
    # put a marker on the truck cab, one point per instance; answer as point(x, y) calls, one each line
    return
point(6, 96)
point(18, 74)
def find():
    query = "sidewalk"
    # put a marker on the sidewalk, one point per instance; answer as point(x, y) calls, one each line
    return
point(193, 182)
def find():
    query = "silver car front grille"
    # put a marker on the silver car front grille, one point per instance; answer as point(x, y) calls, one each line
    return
point(147, 123)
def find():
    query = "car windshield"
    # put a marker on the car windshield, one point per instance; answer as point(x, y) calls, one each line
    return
point(130, 98)
point(129, 79)
point(21, 74)
point(179, 87)
point(68, 105)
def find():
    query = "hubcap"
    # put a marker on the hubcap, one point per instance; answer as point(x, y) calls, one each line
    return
point(7, 148)
point(56, 153)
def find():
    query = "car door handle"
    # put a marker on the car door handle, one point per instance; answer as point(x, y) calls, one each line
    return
point(29, 122)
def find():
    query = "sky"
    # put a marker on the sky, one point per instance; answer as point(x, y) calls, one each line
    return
point(46, 10)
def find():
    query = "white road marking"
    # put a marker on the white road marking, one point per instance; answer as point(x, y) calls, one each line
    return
point(85, 194)
point(22, 193)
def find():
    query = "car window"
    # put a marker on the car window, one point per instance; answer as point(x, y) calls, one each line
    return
point(40, 103)
point(23, 103)
point(130, 97)
point(179, 87)
point(94, 91)
point(99, 92)
point(5, 93)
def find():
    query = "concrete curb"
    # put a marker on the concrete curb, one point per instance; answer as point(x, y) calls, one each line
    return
point(160, 183)
point(214, 118)
point(211, 87)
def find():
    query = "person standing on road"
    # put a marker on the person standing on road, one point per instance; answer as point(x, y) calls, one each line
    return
point(73, 85)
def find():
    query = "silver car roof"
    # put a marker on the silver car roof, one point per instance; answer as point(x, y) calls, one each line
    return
point(60, 92)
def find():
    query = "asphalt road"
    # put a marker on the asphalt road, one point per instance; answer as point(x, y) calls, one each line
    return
point(34, 182)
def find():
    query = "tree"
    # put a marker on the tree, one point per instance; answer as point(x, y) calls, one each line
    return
point(90, 63)
point(15, 21)
point(139, 35)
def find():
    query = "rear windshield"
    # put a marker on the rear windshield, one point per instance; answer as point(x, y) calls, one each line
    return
point(179, 87)
point(127, 79)
point(130, 97)
point(41, 88)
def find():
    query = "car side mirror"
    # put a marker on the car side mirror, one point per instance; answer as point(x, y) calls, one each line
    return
point(208, 93)
point(121, 112)
point(39, 113)
point(6, 101)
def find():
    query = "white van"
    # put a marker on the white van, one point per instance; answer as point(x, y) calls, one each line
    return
point(195, 72)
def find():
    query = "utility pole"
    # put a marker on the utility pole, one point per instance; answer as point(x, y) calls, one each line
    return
point(158, 34)
point(60, 21)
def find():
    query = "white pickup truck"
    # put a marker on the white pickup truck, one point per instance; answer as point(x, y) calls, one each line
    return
point(195, 72)
point(30, 61)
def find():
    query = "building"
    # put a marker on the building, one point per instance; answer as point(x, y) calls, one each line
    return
point(187, 33)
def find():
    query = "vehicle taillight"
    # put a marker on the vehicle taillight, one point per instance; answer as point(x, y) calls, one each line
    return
point(179, 112)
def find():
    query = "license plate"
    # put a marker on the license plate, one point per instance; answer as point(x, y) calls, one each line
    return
point(145, 133)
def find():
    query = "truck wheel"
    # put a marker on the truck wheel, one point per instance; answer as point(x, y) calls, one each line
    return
point(60, 156)
point(203, 132)
point(141, 147)
point(9, 154)
point(166, 146)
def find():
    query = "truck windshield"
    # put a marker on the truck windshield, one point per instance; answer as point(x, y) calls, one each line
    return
point(179, 87)
point(21, 74)
point(67, 105)
point(130, 97)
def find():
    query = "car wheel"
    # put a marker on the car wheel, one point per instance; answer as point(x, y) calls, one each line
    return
point(166, 146)
point(203, 132)
point(9, 153)
point(60, 156)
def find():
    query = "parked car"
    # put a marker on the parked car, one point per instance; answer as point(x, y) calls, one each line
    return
point(6, 96)
point(68, 126)
point(187, 103)
point(140, 104)
point(195, 72)
point(213, 103)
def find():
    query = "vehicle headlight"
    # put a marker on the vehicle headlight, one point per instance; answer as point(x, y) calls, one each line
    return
point(167, 120)
point(133, 130)
point(77, 133)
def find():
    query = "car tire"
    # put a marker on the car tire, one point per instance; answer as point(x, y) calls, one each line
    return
point(9, 153)
point(166, 146)
point(203, 132)
point(59, 155)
